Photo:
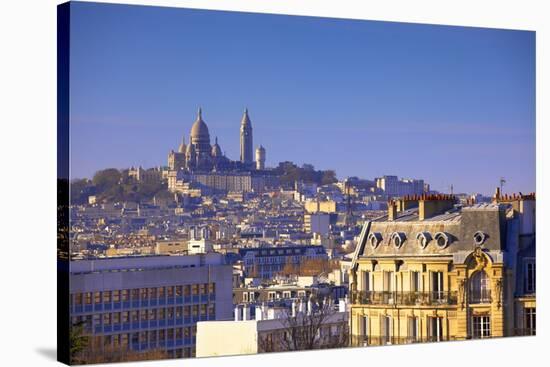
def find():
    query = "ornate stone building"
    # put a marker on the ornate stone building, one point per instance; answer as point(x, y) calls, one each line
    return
point(433, 270)
point(205, 164)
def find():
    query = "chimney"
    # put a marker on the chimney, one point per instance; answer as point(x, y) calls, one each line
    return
point(392, 210)
point(496, 198)
point(432, 205)
point(407, 202)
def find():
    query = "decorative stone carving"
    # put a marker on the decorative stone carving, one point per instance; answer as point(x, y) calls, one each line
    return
point(462, 292)
point(480, 259)
point(498, 290)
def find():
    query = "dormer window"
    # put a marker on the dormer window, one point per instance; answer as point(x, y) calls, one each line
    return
point(479, 238)
point(374, 239)
point(442, 239)
point(423, 238)
point(398, 238)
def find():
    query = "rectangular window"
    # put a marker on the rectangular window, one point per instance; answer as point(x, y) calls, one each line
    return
point(413, 329)
point(530, 277)
point(88, 298)
point(530, 317)
point(186, 290)
point(125, 295)
point(179, 291)
point(107, 297)
point(124, 340)
point(212, 288)
point(365, 329)
point(143, 294)
point(195, 289)
point(152, 293)
point(435, 328)
point(386, 329)
point(107, 319)
point(116, 296)
point(388, 281)
point(161, 292)
point(245, 297)
point(481, 327)
point(116, 318)
point(97, 297)
point(170, 292)
point(135, 294)
point(437, 285)
point(125, 317)
point(78, 299)
point(415, 281)
point(366, 281)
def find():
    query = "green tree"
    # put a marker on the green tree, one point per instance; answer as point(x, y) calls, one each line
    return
point(78, 341)
point(106, 179)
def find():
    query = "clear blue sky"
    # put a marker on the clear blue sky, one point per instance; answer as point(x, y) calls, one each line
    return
point(452, 105)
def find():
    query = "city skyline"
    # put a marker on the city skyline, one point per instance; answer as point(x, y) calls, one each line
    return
point(466, 95)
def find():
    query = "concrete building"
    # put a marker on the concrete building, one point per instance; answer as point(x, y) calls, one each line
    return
point(171, 247)
point(431, 270)
point(318, 223)
point(265, 262)
point(316, 206)
point(269, 330)
point(393, 187)
point(149, 303)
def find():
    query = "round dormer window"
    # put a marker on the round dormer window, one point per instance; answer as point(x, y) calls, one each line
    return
point(374, 239)
point(442, 239)
point(423, 238)
point(479, 238)
point(398, 238)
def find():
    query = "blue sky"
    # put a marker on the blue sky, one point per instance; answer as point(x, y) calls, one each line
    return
point(452, 105)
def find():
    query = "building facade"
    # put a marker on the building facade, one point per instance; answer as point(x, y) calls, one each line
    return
point(143, 304)
point(266, 262)
point(431, 270)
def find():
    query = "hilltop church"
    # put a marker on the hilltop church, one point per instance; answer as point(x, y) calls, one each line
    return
point(207, 165)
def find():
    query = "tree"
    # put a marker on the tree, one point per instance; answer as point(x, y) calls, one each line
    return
point(320, 327)
point(107, 178)
point(78, 342)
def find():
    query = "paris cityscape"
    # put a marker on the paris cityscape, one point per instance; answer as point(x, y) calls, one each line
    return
point(223, 248)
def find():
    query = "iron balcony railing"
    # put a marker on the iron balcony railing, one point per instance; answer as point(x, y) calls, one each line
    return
point(361, 340)
point(480, 296)
point(407, 298)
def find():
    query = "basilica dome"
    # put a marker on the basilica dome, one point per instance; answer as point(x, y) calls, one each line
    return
point(199, 130)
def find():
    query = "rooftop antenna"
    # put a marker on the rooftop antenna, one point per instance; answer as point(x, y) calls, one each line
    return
point(502, 182)
point(451, 189)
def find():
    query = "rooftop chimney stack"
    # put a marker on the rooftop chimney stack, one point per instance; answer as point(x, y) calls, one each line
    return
point(392, 210)
point(432, 205)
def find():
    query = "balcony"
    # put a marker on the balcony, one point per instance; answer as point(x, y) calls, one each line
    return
point(478, 296)
point(363, 341)
point(404, 298)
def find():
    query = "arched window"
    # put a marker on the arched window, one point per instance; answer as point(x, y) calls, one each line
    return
point(480, 288)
